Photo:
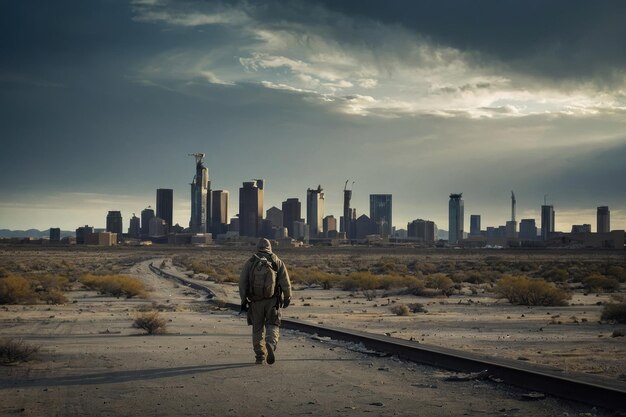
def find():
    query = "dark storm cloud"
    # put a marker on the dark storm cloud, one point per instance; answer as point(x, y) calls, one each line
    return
point(561, 39)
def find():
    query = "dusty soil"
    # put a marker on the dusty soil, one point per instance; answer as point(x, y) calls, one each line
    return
point(92, 362)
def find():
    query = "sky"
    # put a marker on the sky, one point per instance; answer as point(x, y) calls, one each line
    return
point(102, 102)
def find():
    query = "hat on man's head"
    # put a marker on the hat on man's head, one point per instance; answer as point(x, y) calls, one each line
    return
point(264, 245)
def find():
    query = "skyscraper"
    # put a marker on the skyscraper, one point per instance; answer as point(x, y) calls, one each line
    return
point(200, 198)
point(146, 215)
point(330, 226)
point(315, 211)
point(219, 211)
point(275, 216)
point(55, 234)
point(114, 223)
point(380, 213)
point(421, 230)
point(347, 226)
point(475, 225)
point(455, 218)
point(511, 226)
point(292, 212)
point(528, 229)
point(547, 221)
point(251, 208)
point(604, 220)
point(165, 205)
point(134, 230)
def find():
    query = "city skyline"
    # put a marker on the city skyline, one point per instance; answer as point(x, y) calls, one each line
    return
point(519, 96)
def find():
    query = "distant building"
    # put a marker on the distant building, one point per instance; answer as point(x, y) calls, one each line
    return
point(275, 216)
point(364, 227)
point(267, 229)
point(455, 218)
point(292, 212)
point(604, 220)
point(421, 230)
point(581, 228)
point(55, 234)
point(527, 230)
point(315, 211)
point(219, 212)
point(83, 233)
point(511, 229)
point(346, 222)
point(200, 197)
point(165, 205)
point(157, 227)
point(475, 225)
point(251, 208)
point(104, 239)
point(547, 221)
point(301, 231)
point(114, 223)
point(134, 230)
point(330, 226)
point(233, 226)
point(381, 213)
point(146, 215)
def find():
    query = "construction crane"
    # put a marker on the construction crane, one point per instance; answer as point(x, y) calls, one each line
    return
point(199, 157)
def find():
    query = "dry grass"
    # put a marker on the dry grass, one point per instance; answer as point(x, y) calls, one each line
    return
point(115, 285)
point(600, 283)
point(522, 290)
point(33, 289)
point(16, 350)
point(151, 322)
point(400, 310)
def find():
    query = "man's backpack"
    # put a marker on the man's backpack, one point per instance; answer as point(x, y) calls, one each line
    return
point(262, 279)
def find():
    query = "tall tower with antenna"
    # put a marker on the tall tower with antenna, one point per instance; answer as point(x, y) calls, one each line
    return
point(511, 225)
point(200, 197)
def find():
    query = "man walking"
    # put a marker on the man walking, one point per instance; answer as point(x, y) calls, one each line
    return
point(264, 288)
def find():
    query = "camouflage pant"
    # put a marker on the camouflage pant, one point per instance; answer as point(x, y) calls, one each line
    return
point(265, 319)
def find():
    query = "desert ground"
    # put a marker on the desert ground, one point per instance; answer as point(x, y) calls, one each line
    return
point(93, 362)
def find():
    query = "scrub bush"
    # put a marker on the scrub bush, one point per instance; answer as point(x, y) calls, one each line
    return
point(614, 312)
point(601, 283)
point(16, 290)
point(151, 322)
point(115, 285)
point(16, 350)
point(400, 310)
point(522, 290)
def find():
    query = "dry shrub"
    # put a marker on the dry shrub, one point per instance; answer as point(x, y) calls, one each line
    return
point(440, 282)
point(614, 312)
point(400, 310)
point(16, 350)
point(417, 308)
point(53, 296)
point(601, 283)
point(16, 290)
point(619, 272)
point(313, 276)
point(556, 275)
point(115, 285)
point(522, 290)
point(151, 322)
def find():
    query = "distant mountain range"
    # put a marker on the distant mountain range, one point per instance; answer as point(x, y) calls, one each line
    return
point(33, 233)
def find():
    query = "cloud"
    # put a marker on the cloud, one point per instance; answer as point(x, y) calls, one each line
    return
point(337, 52)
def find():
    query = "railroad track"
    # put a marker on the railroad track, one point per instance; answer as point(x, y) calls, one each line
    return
point(584, 388)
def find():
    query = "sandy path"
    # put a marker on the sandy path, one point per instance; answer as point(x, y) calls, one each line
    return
point(93, 363)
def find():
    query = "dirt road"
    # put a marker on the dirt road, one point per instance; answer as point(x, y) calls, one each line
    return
point(93, 363)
